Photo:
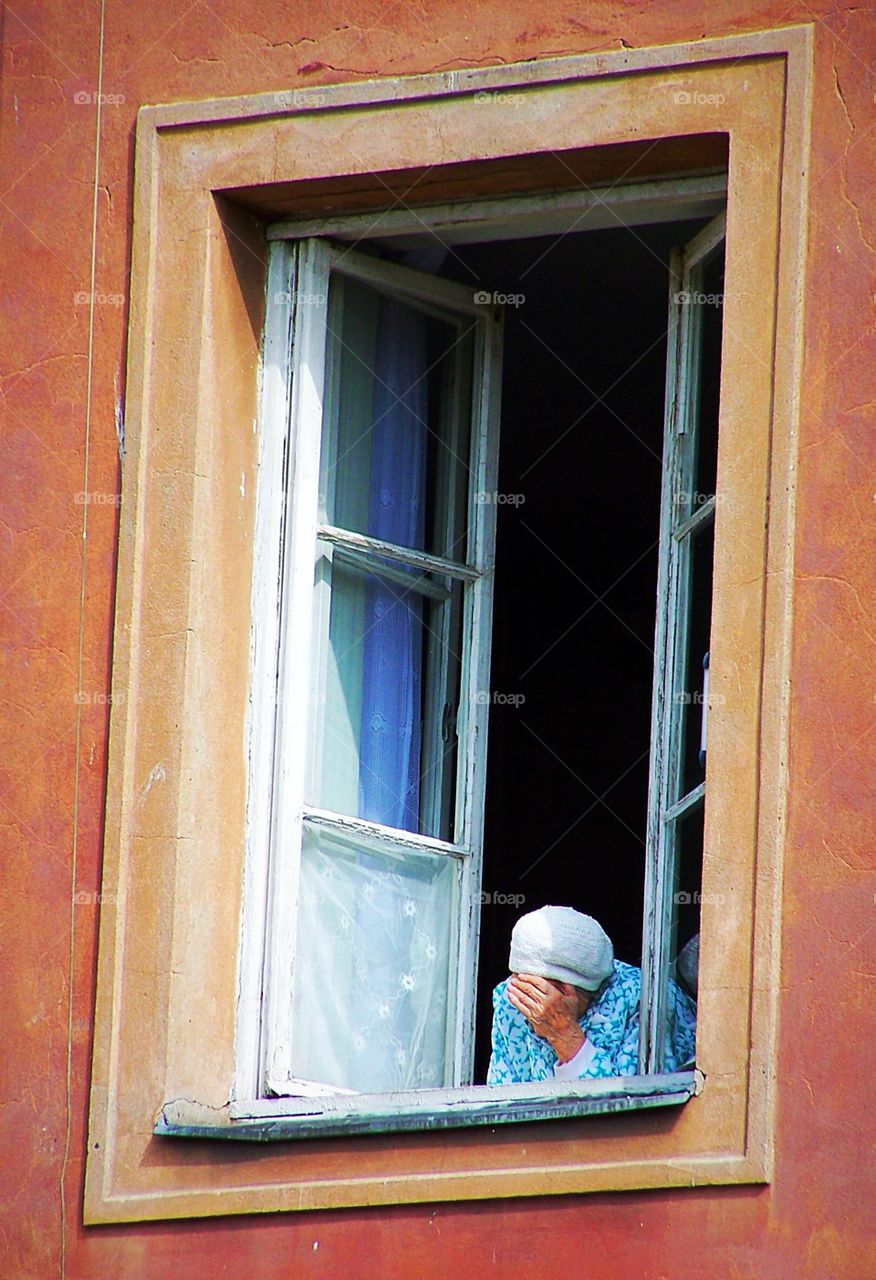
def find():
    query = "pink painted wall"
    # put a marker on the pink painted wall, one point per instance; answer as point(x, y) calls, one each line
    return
point(65, 200)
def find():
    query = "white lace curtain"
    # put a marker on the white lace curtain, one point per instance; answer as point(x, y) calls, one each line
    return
point(373, 944)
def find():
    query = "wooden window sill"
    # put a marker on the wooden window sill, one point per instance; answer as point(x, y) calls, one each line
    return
point(417, 1111)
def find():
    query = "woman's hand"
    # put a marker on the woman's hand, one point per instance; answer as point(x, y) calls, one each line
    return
point(552, 1010)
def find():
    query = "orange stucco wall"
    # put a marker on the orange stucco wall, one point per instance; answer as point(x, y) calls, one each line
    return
point(65, 203)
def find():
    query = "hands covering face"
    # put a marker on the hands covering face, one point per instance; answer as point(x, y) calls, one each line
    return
point(552, 1010)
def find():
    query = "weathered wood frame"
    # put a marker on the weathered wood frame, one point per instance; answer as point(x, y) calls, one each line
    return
point(667, 806)
point(176, 807)
point(294, 490)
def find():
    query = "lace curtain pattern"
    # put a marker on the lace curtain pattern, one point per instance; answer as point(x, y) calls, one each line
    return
point(373, 952)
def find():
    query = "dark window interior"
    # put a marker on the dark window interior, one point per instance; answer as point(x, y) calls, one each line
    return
point(575, 591)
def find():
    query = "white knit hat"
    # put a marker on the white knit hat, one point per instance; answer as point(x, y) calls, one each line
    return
point(561, 943)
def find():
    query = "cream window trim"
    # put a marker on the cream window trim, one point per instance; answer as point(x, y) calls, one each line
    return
point(176, 820)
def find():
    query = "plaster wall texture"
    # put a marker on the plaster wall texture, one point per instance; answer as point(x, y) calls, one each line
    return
point(65, 204)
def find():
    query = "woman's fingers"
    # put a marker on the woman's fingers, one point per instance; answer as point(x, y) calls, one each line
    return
point(534, 997)
point(520, 999)
point(538, 992)
point(534, 985)
point(532, 1012)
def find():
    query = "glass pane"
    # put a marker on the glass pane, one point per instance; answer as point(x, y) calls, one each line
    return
point(693, 695)
point(711, 290)
point(372, 989)
point(395, 453)
point(683, 940)
point(384, 723)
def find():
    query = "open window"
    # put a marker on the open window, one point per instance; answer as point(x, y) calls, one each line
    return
point(384, 634)
point(425, 771)
point(677, 791)
point(194, 776)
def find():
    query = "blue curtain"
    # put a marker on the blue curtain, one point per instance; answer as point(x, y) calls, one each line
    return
point(389, 769)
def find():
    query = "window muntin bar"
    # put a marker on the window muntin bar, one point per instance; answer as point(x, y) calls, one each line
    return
point(685, 804)
point(391, 551)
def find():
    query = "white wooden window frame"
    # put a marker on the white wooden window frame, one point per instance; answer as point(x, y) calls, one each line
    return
point(680, 521)
point(293, 376)
point(285, 672)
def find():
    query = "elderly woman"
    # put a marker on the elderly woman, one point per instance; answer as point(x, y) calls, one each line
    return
point(570, 1011)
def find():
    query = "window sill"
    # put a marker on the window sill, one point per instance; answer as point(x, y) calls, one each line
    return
point(422, 1110)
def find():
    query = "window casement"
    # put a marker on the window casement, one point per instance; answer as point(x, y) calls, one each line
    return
point(180, 1038)
point(677, 791)
point(385, 558)
point(372, 639)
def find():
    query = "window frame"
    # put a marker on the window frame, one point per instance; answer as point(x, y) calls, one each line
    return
point(167, 967)
point(285, 665)
point(668, 804)
point(301, 264)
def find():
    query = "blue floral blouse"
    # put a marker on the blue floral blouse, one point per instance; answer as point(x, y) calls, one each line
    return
point(611, 1024)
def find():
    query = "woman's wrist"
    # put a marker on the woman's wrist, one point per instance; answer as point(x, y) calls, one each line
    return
point(567, 1043)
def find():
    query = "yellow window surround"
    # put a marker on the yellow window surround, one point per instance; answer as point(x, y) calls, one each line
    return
point(208, 176)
